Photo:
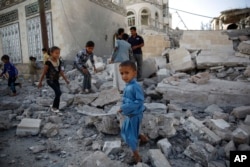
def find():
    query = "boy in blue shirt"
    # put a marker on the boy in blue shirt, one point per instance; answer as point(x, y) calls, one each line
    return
point(132, 107)
point(12, 72)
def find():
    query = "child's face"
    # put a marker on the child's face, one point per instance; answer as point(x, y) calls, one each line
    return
point(55, 54)
point(89, 50)
point(4, 61)
point(127, 73)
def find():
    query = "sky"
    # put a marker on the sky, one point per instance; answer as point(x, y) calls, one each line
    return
point(211, 8)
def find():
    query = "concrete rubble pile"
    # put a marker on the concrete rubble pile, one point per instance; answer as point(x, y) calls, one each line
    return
point(197, 111)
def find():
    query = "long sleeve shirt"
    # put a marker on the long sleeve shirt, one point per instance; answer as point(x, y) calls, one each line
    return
point(122, 51)
point(11, 69)
point(81, 59)
point(133, 99)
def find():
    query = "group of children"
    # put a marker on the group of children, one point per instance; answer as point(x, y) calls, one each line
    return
point(133, 97)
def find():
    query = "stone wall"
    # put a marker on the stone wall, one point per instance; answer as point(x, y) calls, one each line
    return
point(154, 45)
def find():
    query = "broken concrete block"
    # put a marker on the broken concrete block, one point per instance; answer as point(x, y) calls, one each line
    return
point(239, 136)
point(241, 112)
point(247, 120)
point(220, 115)
point(200, 78)
point(156, 108)
point(201, 153)
point(180, 60)
point(37, 149)
point(162, 73)
point(68, 98)
point(244, 47)
point(219, 92)
point(93, 111)
point(247, 72)
point(99, 66)
point(194, 126)
point(157, 125)
point(50, 130)
point(165, 146)
point(108, 125)
point(220, 127)
point(107, 97)
point(211, 58)
point(229, 147)
point(158, 159)
point(98, 159)
point(112, 147)
point(161, 62)
point(46, 102)
point(85, 98)
point(28, 127)
point(148, 67)
point(212, 108)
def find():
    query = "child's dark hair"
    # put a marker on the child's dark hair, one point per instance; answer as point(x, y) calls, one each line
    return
point(128, 63)
point(5, 57)
point(31, 58)
point(120, 31)
point(125, 36)
point(90, 44)
point(44, 50)
point(52, 49)
point(133, 28)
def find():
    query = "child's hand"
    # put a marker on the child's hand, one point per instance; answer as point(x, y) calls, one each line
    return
point(95, 70)
point(84, 71)
point(119, 111)
point(67, 82)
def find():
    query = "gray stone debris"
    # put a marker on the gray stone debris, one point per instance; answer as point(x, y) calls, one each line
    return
point(107, 97)
point(165, 146)
point(241, 112)
point(213, 108)
point(84, 99)
point(244, 47)
point(98, 159)
point(200, 78)
point(201, 152)
point(50, 130)
point(28, 127)
point(158, 159)
point(229, 147)
point(149, 67)
point(156, 108)
point(112, 147)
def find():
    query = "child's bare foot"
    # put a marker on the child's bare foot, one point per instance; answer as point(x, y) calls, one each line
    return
point(13, 94)
point(143, 139)
point(137, 157)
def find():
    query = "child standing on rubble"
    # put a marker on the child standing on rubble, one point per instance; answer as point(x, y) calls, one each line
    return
point(132, 107)
point(12, 72)
point(52, 70)
point(81, 64)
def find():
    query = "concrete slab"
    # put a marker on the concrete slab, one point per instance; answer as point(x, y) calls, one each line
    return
point(158, 159)
point(28, 127)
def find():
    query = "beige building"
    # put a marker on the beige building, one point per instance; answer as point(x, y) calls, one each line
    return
point(70, 23)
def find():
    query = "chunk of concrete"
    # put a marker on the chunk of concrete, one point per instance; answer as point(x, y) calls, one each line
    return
point(247, 120)
point(211, 58)
point(219, 124)
point(149, 67)
point(225, 94)
point(98, 159)
point(240, 136)
point(158, 159)
point(156, 108)
point(220, 115)
point(112, 147)
point(230, 146)
point(201, 153)
point(107, 97)
point(241, 112)
point(200, 78)
point(165, 146)
point(162, 73)
point(244, 47)
point(181, 60)
point(194, 126)
point(28, 127)
point(50, 130)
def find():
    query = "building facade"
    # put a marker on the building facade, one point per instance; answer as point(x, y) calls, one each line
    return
point(148, 15)
point(70, 24)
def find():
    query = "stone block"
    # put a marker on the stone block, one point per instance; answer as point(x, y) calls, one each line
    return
point(181, 60)
point(244, 47)
point(195, 126)
point(162, 73)
point(165, 146)
point(85, 99)
point(247, 120)
point(247, 72)
point(225, 94)
point(212, 108)
point(156, 108)
point(28, 127)
point(148, 67)
point(230, 146)
point(50, 130)
point(220, 115)
point(240, 136)
point(200, 78)
point(112, 147)
point(107, 97)
point(158, 159)
point(241, 112)
point(201, 153)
